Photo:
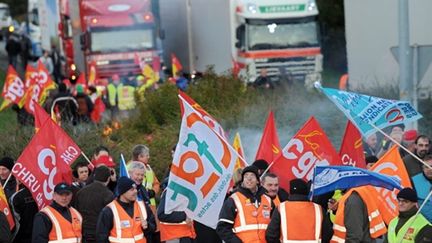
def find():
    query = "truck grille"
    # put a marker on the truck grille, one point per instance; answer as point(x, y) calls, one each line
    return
point(294, 68)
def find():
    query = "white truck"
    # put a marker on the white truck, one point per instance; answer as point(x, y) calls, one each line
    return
point(281, 36)
point(5, 19)
point(371, 29)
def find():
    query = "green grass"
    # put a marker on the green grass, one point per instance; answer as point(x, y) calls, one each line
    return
point(7, 116)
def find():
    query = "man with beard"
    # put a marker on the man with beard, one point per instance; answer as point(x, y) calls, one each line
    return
point(412, 165)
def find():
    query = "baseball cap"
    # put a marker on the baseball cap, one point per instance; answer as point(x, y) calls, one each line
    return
point(62, 188)
point(104, 160)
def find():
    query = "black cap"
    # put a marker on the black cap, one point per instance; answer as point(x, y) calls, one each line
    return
point(62, 188)
point(7, 162)
point(124, 184)
point(408, 194)
point(299, 186)
point(250, 168)
point(260, 164)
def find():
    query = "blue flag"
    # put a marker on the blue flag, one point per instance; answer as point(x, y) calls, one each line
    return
point(330, 178)
point(123, 168)
point(364, 110)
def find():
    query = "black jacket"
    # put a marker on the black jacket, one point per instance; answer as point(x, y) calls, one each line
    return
point(25, 209)
point(90, 201)
point(42, 224)
point(229, 212)
point(105, 221)
point(5, 234)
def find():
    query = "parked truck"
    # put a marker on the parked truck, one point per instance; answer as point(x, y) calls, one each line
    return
point(371, 29)
point(5, 19)
point(281, 36)
point(110, 36)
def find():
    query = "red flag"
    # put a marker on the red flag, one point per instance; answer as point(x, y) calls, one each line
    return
point(29, 81)
point(40, 116)
point(4, 207)
point(351, 150)
point(82, 81)
point(308, 148)
point(98, 110)
point(269, 148)
point(46, 162)
point(176, 65)
point(44, 79)
point(13, 89)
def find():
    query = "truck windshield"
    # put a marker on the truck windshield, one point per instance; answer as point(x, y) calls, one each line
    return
point(4, 13)
point(281, 34)
point(121, 40)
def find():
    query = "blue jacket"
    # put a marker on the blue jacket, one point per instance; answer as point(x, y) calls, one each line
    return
point(423, 187)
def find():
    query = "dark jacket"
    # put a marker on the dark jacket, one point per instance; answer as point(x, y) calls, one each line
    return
point(105, 221)
point(25, 208)
point(5, 234)
point(174, 217)
point(90, 201)
point(42, 224)
point(356, 220)
point(412, 165)
point(11, 187)
point(13, 46)
point(229, 213)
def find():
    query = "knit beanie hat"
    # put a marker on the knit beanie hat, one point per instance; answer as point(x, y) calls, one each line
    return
point(124, 184)
point(7, 162)
point(299, 186)
point(408, 194)
point(102, 173)
point(252, 169)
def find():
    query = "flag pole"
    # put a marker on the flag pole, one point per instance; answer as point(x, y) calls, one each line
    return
point(85, 156)
point(400, 145)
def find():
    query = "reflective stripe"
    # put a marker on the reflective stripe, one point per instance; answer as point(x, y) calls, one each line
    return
point(302, 241)
point(339, 228)
point(54, 221)
point(226, 220)
point(116, 219)
point(70, 240)
point(239, 208)
point(250, 227)
point(142, 209)
point(377, 227)
point(374, 214)
point(318, 221)
point(337, 239)
point(181, 223)
point(283, 221)
point(76, 213)
point(126, 240)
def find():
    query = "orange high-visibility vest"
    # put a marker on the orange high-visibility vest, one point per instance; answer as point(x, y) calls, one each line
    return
point(376, 223)
point(251, 221)
point(276, 201)
point(63, 231)
point(171, 231)
point(300, 221)
point(126, 229)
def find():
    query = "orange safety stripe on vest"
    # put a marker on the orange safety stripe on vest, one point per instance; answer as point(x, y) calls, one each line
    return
point(296, 218)
point(126, 229)
point(376, 223)
point(63, 231)
point(276, 201)
point(251, 221)
point(171, 231)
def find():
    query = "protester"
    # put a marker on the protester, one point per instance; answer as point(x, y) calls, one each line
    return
point(181, 82)
point(422, 183)
point(5, 233)
point(175, 227)
point(57, 63)
point(370, 161)
point(65, 105)
point(103, 159)
point(85, 104)
point(13, 48)
point(136, 172)
point(263, 80)
point(296, 220)
point(412, 165)
point(6, 164)
point(24, 208)
point(262, 166)
point(58, 221)
point(91, 200)
point(81, 173)
point(270, 182)
point(370, 145)
point(125, 218)
point(113, 89)
point(357, 217)
point(47, 61)
point(408, 227)
point(246, 213)
point(408, 141)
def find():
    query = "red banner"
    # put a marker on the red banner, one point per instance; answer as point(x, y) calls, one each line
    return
point(29, 81)
point(269, 148)
point(40, 117)
point(13, 89)
point(351, 150)
point(308, 148)
point(46, 162)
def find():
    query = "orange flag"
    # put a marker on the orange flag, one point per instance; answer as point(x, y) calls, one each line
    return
point(390, 164)
point(308, 148)
point(237, 145)
point(13, 89)
point(176, 65)
point(269, 148)
point(4, 207)
point(351, 150)
point(92, 76)
point(40, 116)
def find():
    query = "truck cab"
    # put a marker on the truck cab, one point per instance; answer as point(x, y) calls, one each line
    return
point(279, 36)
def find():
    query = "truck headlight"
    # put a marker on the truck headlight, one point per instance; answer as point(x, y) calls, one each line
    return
point(311, 6)
point(252, 8)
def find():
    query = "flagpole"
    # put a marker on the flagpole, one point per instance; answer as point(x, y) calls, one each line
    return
point(7, 180)
point(217, 134)
point(85, 156)
point(400, 145)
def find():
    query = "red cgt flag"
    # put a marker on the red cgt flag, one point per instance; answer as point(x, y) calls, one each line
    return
point(269, 148)
point(176, 65)
point(40, 117)
point(308, 148)
point(351, 150)
point(4, 207)
point(46, 162)
point(13, 89)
